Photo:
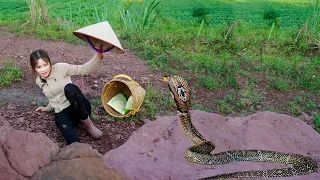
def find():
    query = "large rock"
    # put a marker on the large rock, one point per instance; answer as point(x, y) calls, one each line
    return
point(6, 171)
point(4, 122)
point(78, 162)
point(156, 150)
point(23, 153)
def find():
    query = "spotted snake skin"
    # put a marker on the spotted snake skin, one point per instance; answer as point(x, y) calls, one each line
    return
point(200, 152)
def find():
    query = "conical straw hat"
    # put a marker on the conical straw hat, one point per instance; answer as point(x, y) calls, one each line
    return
point(100, 34)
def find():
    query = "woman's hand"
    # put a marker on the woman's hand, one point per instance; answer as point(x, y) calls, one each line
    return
point(43, 109)
point(100, 55)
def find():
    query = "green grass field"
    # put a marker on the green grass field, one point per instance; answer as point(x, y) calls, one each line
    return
point(274, 44)
point(291, 12)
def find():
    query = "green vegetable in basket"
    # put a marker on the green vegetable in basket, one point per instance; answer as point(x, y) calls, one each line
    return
point(118, 103)
point(128, 105)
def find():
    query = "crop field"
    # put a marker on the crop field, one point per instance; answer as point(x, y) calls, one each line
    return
point(292, 12)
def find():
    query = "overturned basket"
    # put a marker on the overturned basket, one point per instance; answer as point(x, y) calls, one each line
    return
point(122, 83)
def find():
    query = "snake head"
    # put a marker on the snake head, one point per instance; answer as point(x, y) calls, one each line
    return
point(180, 90)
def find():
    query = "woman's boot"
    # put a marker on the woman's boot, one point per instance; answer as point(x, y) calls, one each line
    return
point(93, 130)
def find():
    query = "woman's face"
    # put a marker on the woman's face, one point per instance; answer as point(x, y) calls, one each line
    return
point(43, 68)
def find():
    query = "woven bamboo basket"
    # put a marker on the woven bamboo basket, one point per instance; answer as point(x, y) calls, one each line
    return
point(122, 83)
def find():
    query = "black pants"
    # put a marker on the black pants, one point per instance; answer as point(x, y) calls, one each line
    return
point(71, 116)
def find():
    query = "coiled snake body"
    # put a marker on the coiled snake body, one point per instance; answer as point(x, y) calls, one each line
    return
point(200, 152)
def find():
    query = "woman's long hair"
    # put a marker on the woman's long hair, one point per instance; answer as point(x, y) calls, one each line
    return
point(36, 55)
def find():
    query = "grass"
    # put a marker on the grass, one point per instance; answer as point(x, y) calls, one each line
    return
point(273, 44)
point(156, 102)
point(316, 118)
point(241, 102)
point(9, 73)
point(302, 103)
point(43, 103)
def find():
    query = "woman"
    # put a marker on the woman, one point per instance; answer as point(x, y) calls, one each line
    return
point(69, 104)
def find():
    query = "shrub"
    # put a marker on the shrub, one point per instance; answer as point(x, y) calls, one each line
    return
point(9, 73)
point(270, 14)
point(201, 14)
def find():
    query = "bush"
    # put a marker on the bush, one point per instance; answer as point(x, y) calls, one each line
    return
point(200, 14)
point(271, 15)
point(9, 73)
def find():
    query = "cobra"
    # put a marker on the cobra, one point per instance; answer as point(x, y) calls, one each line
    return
point(200, 152)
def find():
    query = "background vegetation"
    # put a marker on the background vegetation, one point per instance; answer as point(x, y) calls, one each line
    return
point(273, 45)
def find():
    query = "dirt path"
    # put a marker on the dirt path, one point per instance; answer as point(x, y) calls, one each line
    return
point(16, 100)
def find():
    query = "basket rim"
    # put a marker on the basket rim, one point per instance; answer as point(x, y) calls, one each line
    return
point(131, 89)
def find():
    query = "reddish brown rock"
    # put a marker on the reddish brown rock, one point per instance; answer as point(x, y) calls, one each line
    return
point(4, 122)
point(6, 171)
point(23, 153)
point(263, 130)
point(27, 152)
point(78, 161)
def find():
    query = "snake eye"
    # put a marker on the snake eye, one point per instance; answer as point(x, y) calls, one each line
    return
point(181, 91)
